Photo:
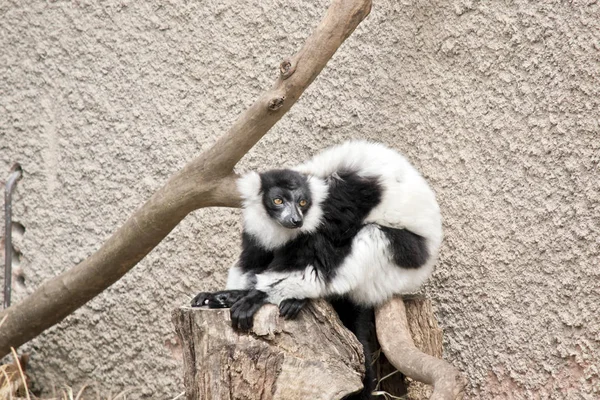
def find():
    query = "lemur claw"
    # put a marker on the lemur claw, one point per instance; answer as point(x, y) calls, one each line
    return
point(289, 308)
point(201, 299)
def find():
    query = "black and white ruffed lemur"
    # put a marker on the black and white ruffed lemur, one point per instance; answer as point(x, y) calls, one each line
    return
point(356, 225)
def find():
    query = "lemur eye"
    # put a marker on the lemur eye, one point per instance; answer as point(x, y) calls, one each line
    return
point(278, 201)
point(303, 203)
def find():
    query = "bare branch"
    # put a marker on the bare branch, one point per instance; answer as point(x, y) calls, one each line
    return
point(206, 181)
point(396, 342)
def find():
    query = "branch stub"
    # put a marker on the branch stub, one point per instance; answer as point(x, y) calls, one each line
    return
point(286, 69)
point(276, 103)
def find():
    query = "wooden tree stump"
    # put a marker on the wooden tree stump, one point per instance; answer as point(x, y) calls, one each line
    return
point(313, 357)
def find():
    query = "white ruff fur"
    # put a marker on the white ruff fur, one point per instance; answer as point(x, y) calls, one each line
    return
point(293, 285)
point(369, 275)
point(267, 231)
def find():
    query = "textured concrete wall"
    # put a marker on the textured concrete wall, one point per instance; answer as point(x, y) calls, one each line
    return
point(497, 103)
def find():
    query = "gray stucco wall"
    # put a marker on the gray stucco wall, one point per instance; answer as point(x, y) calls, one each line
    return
point(497, 103)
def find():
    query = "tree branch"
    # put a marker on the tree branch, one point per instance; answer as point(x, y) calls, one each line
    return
point(206, 181)
point(397, 344)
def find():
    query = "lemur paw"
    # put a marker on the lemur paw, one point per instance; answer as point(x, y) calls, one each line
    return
point(242, 312)
point(289, 308)
point(201, 299)
point(220, 299)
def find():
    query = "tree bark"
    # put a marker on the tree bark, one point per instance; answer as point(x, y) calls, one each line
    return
point(313, 357)
point(206, 181)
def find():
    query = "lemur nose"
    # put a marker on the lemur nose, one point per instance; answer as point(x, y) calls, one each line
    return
point(297, 222)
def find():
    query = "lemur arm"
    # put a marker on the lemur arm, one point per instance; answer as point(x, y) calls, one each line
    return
point(289, 290)
point(306, 271)
point(299, 284)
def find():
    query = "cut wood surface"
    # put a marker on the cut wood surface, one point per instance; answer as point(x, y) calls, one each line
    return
point(313, 357)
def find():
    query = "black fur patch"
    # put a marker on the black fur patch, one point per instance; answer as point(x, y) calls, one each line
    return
point(409, 249)
point(253, 258)
point(359, 320)
point(350, 200)
point(283, 178)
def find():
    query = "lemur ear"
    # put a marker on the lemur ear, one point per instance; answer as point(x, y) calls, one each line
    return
point(249, 186)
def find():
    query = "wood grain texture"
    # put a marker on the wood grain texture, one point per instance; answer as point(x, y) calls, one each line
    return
point(312, 357)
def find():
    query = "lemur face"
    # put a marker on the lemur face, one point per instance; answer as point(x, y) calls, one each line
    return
point(286, 196)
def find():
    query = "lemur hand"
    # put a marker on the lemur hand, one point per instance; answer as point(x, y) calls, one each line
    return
point(220, 299)
point(289, 308)
point(242, 312)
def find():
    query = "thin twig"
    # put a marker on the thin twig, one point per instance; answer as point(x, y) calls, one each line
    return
point(179, 395)
point(7, 380)
point(385, 377)
point(387, 395)
point(123, 393)
point(81, 391)
point(18, 363)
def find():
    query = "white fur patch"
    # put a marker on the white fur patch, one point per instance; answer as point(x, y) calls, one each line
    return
point(295, 285)
point(408, 201)
point(237, 279)
point(370, 276)
point(318, 193)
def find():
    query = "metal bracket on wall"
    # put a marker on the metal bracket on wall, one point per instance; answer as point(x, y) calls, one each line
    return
point(16, 172)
